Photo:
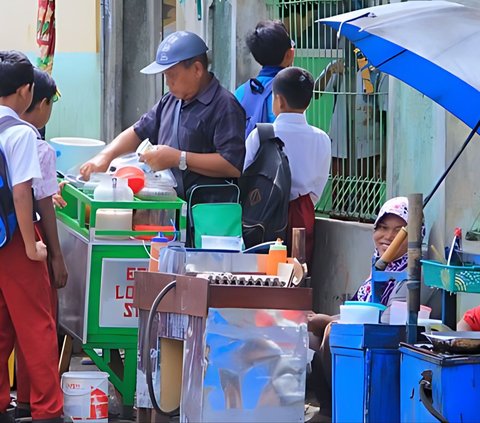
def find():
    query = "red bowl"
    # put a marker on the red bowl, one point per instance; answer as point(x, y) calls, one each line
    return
point(135, 176)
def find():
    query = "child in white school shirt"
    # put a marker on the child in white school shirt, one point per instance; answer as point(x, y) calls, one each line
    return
point(308, 149)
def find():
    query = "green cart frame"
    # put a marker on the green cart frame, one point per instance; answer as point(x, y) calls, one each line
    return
point(96, 306)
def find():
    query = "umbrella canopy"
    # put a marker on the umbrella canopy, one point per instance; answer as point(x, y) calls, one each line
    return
point(432, 46)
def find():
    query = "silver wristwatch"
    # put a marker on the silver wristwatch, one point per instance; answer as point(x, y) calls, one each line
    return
point(182, 164)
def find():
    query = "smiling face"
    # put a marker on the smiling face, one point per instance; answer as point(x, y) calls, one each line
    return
point(385, 232)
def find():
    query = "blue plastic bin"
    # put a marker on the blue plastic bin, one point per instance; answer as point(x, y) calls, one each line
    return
point(366, 372)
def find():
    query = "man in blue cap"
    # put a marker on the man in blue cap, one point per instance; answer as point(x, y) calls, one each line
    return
point(198, 127)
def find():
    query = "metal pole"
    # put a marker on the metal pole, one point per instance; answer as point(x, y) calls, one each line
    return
point(415, 217)
point(444, 175)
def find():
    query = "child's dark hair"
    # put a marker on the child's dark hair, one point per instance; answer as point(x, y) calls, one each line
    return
point(296, 85)
point(269, 42)
point(15, 71)
point(44, 87)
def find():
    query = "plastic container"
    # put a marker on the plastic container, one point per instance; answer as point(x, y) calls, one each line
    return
point(159, 186)
point(154, 228)
point(85, 396)
point(130, 159)
point(451, 278)
point(73, 152)
point(399, 313)
point(158, 220)
point(113, 190)
point(157, 243)
point(432, 324)
point(276, 254)
point(360, 312)
point(134, 175)
point(88, 187)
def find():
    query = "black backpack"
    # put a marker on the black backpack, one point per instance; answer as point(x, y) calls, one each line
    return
point(8, 219)
point(265, 191)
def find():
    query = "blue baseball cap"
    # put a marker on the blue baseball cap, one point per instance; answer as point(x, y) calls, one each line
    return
point(180, 45)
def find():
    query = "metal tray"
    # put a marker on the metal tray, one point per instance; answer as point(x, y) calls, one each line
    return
point(455, 342)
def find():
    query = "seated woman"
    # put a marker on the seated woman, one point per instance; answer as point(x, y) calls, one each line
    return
point(392, 217)
point(470, 320)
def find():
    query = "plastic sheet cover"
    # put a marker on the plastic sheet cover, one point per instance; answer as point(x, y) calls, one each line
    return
point(255, 365)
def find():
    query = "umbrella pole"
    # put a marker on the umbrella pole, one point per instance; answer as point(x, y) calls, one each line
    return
point(387, 256)
point(444, 175)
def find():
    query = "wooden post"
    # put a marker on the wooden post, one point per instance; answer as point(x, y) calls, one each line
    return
point(415, 218)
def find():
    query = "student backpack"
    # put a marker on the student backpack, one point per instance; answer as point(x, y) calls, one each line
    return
point(8, 220)
point(265, 190)
point(254, 102)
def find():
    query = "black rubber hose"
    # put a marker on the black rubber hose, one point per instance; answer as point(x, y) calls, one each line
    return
point(427, 402)
point(146, 347)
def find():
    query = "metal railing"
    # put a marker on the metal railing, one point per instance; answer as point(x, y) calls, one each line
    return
point(349, 104)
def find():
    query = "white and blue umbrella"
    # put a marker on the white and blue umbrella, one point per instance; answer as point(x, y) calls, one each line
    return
point(433, 46)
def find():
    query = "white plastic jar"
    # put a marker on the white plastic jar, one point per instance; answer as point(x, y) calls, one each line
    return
point(113, 190)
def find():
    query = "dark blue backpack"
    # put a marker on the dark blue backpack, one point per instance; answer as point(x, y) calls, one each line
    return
point(254, 102)
point(8, 219)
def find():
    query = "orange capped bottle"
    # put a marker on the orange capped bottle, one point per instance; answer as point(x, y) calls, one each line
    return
point(276, 254)
point(157, 243)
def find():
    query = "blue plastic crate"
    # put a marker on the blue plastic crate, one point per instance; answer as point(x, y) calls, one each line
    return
point(451, 278)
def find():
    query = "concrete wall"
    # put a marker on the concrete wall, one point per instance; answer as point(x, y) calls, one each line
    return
point(462, 198)
point(423, 140)
point(76, 67)
point(416, 153)
point(342, 257)
point(248, 15)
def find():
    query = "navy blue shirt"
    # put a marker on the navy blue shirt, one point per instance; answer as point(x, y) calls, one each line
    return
point(213, 122)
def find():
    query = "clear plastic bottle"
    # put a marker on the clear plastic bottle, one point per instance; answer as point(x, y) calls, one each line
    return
point(276, 254)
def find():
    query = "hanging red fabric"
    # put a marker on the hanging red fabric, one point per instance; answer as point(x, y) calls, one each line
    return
point(46, 34)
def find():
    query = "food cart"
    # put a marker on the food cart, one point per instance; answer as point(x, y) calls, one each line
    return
point(96, 306)
point(222, 350)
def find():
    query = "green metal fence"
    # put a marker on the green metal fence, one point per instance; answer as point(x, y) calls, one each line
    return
point(350, 104)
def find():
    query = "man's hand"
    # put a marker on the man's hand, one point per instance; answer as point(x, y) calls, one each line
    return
point(98, 164)
point(161, 157)
point(37, 251)
point(58, 271)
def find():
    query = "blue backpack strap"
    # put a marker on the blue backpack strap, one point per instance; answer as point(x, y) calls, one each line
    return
point(254, 102)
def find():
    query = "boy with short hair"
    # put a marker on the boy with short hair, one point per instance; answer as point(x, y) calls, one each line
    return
point(272, 47)
point(308, 149)
point(25, 308)
point(45, 93)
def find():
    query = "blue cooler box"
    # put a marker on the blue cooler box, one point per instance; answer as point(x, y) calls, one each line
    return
point(454, 382)
point(366, 372)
